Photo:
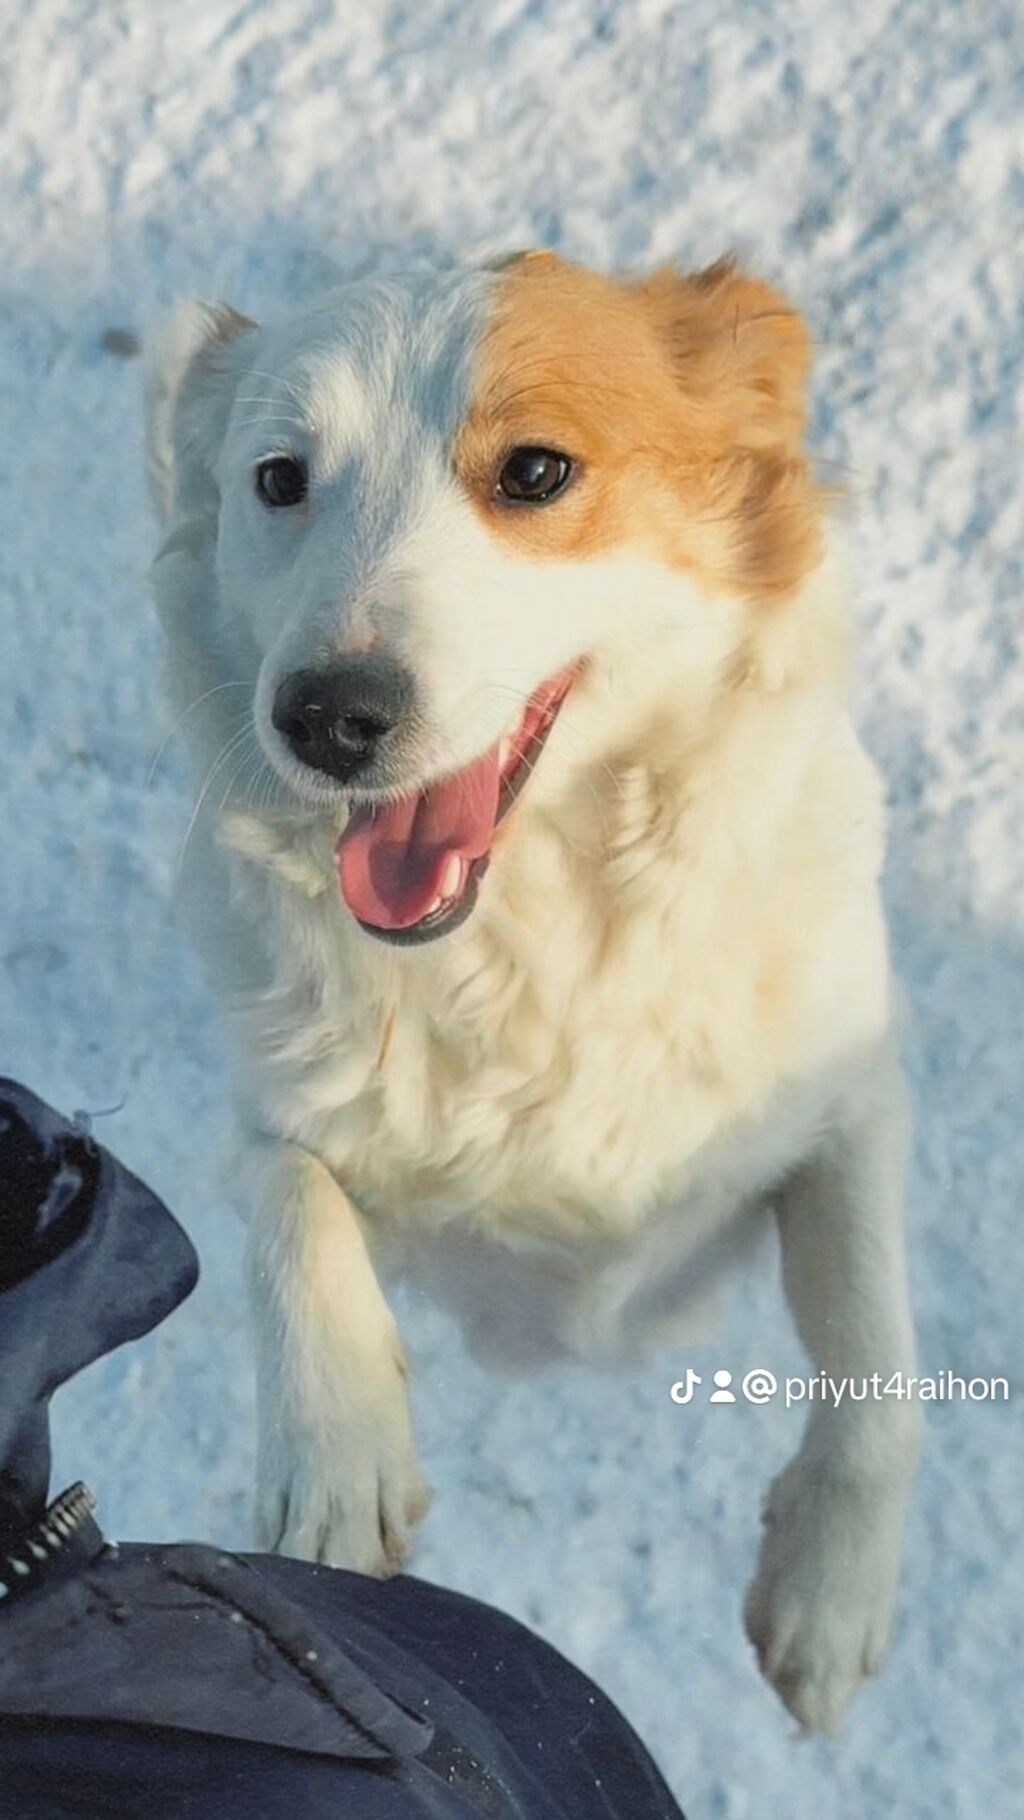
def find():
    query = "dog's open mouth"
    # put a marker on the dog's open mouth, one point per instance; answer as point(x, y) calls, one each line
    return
point(411, 870)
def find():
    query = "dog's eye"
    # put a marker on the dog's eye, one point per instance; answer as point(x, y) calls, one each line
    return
point(282, 481)
point(534, 475)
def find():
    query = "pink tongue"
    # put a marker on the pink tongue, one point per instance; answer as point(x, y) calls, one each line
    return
point(391, 858)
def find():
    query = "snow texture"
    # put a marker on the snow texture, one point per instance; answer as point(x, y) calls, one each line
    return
point(870, 158)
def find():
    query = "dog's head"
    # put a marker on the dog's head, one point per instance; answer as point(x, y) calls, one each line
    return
point(436, 503)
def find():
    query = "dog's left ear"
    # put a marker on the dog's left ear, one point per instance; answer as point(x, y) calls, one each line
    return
point(741, 356)
point(191, 369)
point(737, 343)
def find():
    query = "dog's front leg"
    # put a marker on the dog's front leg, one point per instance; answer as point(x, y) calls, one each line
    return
point(819, 1610)
point(337, 1476)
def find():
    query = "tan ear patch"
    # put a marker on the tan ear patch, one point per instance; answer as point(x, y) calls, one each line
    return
point(735, 339)
point(681, 402)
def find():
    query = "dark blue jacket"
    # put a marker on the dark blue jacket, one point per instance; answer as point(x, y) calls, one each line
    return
point(174, 1682)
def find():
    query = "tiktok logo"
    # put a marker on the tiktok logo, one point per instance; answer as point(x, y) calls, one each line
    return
point(682, 1392)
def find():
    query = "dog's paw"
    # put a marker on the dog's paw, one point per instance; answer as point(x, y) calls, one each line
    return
point(819, 1609)
point(349, 1494)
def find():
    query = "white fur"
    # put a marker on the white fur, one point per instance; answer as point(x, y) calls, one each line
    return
point(670, 1008)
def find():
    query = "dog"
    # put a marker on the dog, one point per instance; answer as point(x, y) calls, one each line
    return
point(536, 863)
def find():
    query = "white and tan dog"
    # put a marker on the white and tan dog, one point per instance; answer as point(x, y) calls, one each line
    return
point(543, 893)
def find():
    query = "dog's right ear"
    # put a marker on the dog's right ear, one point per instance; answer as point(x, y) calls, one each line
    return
point(191, 367)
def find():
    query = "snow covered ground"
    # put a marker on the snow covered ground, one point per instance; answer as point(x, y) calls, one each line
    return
point(870, 157)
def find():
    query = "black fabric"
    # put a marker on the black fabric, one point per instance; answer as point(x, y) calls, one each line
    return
point(515, 1732)
point(193, 1638)
point(110, 1773)
point(184, 1683)
point(89, 1258)
point(565, 1749)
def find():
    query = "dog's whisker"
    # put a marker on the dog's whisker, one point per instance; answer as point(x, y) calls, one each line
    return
point(247, 790)
point(232, 746)
point(247, 758)
point(270, 788)
point(180, 720)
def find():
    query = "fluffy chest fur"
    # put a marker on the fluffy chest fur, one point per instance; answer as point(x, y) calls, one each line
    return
point(662, 959)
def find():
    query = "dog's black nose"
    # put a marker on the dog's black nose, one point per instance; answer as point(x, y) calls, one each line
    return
point(336, 719)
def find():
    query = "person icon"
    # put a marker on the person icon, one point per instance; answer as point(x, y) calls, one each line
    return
point(722, 1393)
